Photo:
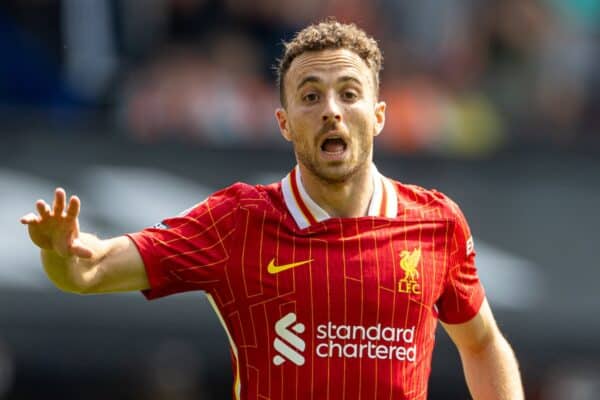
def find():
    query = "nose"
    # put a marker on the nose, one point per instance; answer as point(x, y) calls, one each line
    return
point(331, 111)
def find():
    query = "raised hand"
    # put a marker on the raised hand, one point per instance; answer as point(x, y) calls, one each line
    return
point(57, 228)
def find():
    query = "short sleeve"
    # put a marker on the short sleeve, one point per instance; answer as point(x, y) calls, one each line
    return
point(463, 293)
point(189, 251)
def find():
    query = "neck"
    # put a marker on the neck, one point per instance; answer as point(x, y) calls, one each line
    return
point(345, 199)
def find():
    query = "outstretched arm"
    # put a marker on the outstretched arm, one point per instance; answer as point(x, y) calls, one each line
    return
point(490, 366)
point(79, 262)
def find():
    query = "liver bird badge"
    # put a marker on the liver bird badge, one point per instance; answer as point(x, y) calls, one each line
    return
point(409, 262)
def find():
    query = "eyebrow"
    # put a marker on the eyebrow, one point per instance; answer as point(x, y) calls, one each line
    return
point(314, 79)
point(308, 79)
point(348, 78)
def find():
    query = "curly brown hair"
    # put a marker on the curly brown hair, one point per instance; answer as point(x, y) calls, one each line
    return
point(330, 34)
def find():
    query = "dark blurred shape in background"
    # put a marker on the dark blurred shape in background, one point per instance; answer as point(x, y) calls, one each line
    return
point(156, 103)
point(462, 78)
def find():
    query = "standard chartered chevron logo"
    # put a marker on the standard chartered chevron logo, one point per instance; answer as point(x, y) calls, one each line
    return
point(287, 343)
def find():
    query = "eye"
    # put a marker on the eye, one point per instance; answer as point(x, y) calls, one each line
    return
point(310, 98)
point(349, 95)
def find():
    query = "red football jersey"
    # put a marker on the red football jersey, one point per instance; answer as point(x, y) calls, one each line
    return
point(317, 307)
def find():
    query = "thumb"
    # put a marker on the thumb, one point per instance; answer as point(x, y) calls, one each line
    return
point(77, 248)
point(29, 218)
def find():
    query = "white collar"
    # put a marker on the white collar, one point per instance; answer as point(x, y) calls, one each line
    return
point(306, 212)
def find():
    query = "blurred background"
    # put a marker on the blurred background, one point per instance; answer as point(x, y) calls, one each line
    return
point(143, 108)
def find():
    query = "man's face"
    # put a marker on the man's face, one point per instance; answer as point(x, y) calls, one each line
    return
point(332, 114)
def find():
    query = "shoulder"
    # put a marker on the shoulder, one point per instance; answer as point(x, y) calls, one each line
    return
point(414, 198)
point(240, 191)
point(254, 194)
point(238, 195)
point(420, 203)
point(222, 200)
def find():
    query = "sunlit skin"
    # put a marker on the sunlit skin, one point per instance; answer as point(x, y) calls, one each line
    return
point(331, 116)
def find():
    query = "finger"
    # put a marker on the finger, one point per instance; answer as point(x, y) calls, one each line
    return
point(59, 201)
point(78, 249)
point(29, 219)
point(73, 207)
point(43, 208)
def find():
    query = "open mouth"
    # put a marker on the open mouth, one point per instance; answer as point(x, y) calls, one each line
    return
point(334, 145)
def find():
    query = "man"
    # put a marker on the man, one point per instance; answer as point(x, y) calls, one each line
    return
point(329, 283)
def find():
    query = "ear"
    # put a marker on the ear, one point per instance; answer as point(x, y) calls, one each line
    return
point(282, 122)
point(379, 116)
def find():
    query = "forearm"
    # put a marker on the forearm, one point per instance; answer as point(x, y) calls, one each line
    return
point(115, 266)
point(75, 274)
point(492, 373)
point(79, 262)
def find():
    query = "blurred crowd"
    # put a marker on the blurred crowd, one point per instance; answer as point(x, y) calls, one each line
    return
point(461, 77)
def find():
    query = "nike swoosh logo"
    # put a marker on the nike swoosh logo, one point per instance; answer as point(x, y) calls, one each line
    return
point(275, 269)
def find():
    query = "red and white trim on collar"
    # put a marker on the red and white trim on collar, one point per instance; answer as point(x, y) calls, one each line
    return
point(384, 202)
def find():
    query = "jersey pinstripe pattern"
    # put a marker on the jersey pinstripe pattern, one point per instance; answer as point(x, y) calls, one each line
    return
point(363, 301)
